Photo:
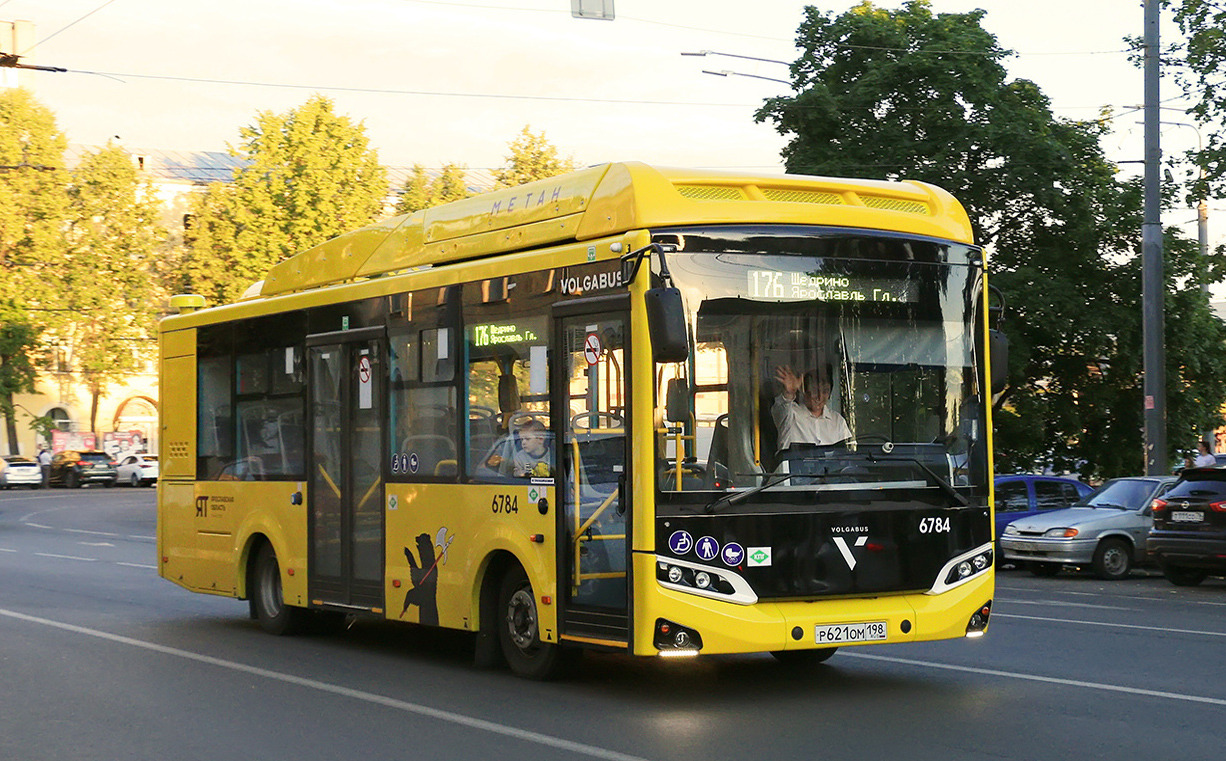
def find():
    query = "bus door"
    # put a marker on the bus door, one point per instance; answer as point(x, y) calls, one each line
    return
point(593, 491)
point(345, 485)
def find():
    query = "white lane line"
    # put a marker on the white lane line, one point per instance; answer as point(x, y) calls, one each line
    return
point(1059, 604)
point(39, 525)
point(64, 557)
point(134, 536)
point(1045, 679)
point(314, 684)
point(137, 565)
point(6, 549)
point(95, 544)
point(1110, 625)
point(85, 531)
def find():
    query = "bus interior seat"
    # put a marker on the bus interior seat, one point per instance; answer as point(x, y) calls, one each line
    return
point(431, 449)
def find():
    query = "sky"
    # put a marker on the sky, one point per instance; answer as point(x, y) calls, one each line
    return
point(438, 81)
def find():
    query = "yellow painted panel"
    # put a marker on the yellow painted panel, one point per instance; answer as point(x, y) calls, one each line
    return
point(177, 443)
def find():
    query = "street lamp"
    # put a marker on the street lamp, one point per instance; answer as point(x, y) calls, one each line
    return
point(726, 73)
point(735, 55)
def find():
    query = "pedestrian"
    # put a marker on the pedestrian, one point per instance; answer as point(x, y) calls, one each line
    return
point(1204, 458)
point(44, 462)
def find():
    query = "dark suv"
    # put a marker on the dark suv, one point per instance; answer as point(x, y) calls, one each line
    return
point(72, 468)
point(1188, 537)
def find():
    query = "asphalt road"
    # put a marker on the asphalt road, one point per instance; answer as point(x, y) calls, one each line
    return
point(101, 659)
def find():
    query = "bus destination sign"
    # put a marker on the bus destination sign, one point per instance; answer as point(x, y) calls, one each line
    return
point(803, 286)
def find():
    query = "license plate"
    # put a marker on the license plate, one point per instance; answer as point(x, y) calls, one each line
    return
point(841, 634)
point(1187, 516)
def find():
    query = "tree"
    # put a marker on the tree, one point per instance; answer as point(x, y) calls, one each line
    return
point(532, 157)
point(308, 176)
point(421, 190)
point(17, 341)
point(106, 319)
point(907, 93)
point(1201, 55)
point(33, 205)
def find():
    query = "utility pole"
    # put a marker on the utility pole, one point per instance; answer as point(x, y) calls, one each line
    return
point(1152, 313)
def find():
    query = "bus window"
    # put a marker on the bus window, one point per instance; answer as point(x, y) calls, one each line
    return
point(214, 435)
point(422, 405)
point(508, 386)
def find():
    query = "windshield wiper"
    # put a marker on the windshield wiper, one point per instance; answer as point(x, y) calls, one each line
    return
point(1110, 504)
point(732, 498)
point(941, 483)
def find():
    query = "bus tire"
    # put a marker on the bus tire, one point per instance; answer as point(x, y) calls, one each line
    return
point(268, 599)
point(519, 635)
point(803, 659)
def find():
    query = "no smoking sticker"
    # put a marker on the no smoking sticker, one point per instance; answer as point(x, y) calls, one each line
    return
point(592, 348)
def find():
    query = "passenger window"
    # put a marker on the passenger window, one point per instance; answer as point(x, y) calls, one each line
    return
point(509, 432)
point(1047, 495)
point(1011, 497)
point(422, 405)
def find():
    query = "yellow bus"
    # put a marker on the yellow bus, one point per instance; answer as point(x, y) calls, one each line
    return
point(654, 411)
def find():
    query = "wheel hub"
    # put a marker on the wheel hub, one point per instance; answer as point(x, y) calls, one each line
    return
point(521, 619)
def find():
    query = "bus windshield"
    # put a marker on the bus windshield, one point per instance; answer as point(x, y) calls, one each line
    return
point(846, 359)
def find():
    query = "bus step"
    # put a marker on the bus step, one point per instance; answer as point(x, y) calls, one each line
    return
point(603, 627)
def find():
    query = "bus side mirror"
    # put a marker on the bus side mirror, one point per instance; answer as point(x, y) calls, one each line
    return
point(666, 324)
point(998, 346)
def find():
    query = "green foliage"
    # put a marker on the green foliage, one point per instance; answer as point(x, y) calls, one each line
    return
point(107, 312)
point(18, 337)
point(532, 157)
point(421, 190)
point(33, 199)
point(1200, 67)
point(309, 176)
point(909, 94)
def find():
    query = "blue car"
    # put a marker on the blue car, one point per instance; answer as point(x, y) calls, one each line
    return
point(1023, 496)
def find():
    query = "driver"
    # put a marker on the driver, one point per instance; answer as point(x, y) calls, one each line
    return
point(802, 411)
point(532, 458)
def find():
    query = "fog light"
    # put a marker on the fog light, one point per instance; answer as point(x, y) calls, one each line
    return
point(702, 579)
point(681, 639)
point(674, 574)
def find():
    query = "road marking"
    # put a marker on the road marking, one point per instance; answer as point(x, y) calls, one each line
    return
point(137, 565)
point(84, 531)
point(95, 544)
point(39, 525)
point(134, 536)
point(369, 697)
point(6, 549)
point(1110, 625)
point(1036, 678)
point(64, 557)
point(1058, 604)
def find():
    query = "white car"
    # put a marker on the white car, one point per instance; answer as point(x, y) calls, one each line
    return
point(138, 470)
point(16, 470)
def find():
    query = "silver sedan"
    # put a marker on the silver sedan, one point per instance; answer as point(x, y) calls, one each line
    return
point(1106, 530)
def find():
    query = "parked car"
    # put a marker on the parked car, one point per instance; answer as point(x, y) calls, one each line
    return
point(1023, 496)
point(1106, 530)
point(73, 468)
point(1188, 537)
point(16, 470)
point(138, 470)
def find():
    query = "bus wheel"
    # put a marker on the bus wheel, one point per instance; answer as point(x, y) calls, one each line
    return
point(519, 634)
point(268, 601)
point(802, 659)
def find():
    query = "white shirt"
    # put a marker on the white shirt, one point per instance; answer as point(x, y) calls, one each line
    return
point(1205, 461)
point(796, 424)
